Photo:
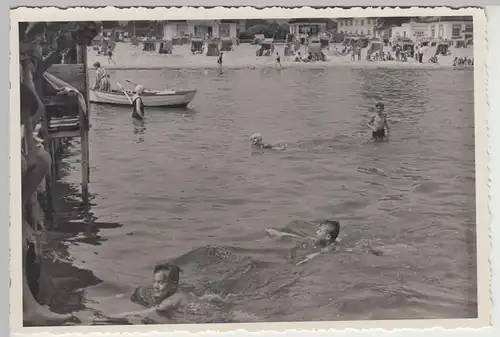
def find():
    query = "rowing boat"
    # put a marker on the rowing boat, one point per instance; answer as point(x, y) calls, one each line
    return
point(165, 98)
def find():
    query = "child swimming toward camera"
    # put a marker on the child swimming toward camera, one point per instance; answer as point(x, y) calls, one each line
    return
point(161, 298)
point(257, 141)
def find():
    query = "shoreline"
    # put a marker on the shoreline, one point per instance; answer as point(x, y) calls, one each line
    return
point(371, 65)
point(128, 57)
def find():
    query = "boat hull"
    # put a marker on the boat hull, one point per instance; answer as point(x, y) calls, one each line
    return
point(165, 99)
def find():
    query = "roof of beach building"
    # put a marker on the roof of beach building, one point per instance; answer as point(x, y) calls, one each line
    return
point(223, 21)
point(429, 19)
point(308, 20)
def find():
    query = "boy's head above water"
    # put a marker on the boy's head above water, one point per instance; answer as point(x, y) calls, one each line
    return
point(166, 280)
point(256, 139)
point(379, 107)
point(328, 231)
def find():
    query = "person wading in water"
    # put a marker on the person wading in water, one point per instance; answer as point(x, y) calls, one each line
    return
point(138, 112)
point(219, 63)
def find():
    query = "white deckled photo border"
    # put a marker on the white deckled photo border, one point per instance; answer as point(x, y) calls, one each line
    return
point(193, 13)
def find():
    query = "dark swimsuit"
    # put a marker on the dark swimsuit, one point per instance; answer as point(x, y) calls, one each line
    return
point(378, 134)
point(138, 113)
point(219, 60)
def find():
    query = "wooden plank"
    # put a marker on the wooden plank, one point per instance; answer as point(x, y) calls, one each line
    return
point(66, 134)
point(73, 74)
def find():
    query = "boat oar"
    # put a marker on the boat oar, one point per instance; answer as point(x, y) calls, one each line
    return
point(125, 92)
point(131, 82)
point(134, 84)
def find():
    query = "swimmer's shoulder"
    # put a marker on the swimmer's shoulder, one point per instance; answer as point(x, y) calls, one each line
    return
point(174, 301)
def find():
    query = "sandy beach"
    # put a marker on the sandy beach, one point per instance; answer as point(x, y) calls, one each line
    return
point(127, 56)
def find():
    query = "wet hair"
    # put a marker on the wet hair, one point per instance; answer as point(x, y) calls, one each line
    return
point(172, 270)
point(379, 104)
point(97, 64)
point(334, 229)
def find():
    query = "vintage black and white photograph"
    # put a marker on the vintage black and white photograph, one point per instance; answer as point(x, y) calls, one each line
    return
point(250, 170)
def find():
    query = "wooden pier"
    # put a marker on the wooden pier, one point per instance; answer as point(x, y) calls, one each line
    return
point(64, 120)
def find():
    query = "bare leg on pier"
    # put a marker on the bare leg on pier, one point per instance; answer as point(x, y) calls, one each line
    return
point(33, 313)
point(39, 168)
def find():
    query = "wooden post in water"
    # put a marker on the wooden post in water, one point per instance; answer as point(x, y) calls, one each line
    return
point(84, 121)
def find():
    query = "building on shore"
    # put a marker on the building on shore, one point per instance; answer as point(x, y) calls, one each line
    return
point(413, 30)
point(311, 27)
point(358, 26)
point(117, 30)
point(202, 28)
point(452, 28)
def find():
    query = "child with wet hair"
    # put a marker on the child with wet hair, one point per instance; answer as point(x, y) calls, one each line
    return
point(326, 237)
point(165, 283)
point(257, 141)
point(160, 298)
point(324, 240)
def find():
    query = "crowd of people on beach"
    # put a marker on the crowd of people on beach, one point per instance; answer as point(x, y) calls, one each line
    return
point(41, 45)
point(463, 61)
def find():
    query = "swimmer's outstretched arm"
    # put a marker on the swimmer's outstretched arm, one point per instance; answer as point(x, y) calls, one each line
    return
point(280, 234)
point(170, 303)
point(309, 257)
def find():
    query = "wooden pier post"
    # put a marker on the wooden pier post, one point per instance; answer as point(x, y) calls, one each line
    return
point(85, 148)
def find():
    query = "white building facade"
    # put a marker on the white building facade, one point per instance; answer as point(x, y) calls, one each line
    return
point(410, 30)
point(311, 27)
point(451, 30)
point(201, 28)
point(437, 29)
point(358, 26)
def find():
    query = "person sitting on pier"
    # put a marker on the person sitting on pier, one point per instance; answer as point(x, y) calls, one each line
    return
point(36, 161)
point(138, 112)
point(102, 78)
point(32, 175)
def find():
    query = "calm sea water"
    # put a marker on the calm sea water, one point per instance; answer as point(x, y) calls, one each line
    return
point(185, 182)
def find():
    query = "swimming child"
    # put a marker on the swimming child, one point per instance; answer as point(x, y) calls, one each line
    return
point(378, 123)
point(165, 284)
point(323, 242)
point(219, 63)
point(164, 299)
point(161, 298)
point(257, 141)
point(326, 236)
point(138, 112)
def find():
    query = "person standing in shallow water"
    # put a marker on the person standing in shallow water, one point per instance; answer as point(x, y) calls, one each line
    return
point(138, 105)
point(219, 63)
point(278, 60)
point(378, 122)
